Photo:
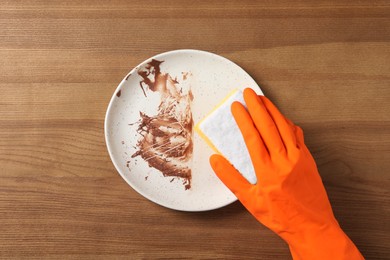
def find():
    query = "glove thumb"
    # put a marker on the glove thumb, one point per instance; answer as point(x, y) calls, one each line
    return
point(229, 175)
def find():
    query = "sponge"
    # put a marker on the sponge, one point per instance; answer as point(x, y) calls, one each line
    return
point(221, 133)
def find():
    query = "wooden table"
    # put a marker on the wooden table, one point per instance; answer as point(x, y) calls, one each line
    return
point(326, 64)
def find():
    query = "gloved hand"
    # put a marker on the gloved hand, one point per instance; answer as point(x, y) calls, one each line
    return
point(289, 197)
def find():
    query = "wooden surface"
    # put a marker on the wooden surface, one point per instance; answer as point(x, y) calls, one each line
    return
point(326, 64)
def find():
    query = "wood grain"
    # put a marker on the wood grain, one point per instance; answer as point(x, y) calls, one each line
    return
point(326, 64)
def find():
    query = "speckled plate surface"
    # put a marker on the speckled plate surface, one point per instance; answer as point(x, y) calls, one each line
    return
point(202, 80)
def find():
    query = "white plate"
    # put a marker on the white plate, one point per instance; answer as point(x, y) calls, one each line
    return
point(210, 78)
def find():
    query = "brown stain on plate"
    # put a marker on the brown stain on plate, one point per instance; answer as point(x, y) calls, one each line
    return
point(166, 138)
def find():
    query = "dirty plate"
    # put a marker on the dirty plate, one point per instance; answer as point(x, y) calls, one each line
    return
point(149, 127)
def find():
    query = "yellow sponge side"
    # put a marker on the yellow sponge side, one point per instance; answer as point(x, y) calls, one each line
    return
point(200, 132)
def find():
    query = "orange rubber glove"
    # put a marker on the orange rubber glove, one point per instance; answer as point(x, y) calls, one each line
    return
point(289, 197)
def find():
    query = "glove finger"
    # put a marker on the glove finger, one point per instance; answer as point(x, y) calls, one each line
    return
point(299, 135)
point(229, 175)
point(284, 127)
point(264, 123)
point(289, 122)
point(257, 151)
point(298, 132)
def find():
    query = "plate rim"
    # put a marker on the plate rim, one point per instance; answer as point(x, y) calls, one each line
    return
point(109, 108)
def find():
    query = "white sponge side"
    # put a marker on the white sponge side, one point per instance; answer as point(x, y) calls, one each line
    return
point(220, 128)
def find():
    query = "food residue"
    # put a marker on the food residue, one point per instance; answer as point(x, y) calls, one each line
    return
point(165, 141)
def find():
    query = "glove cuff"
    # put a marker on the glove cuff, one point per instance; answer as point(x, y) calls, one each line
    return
point(327, 242)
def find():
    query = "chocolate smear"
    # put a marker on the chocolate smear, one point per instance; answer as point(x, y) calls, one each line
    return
point(118, 94)
point(166, 138)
